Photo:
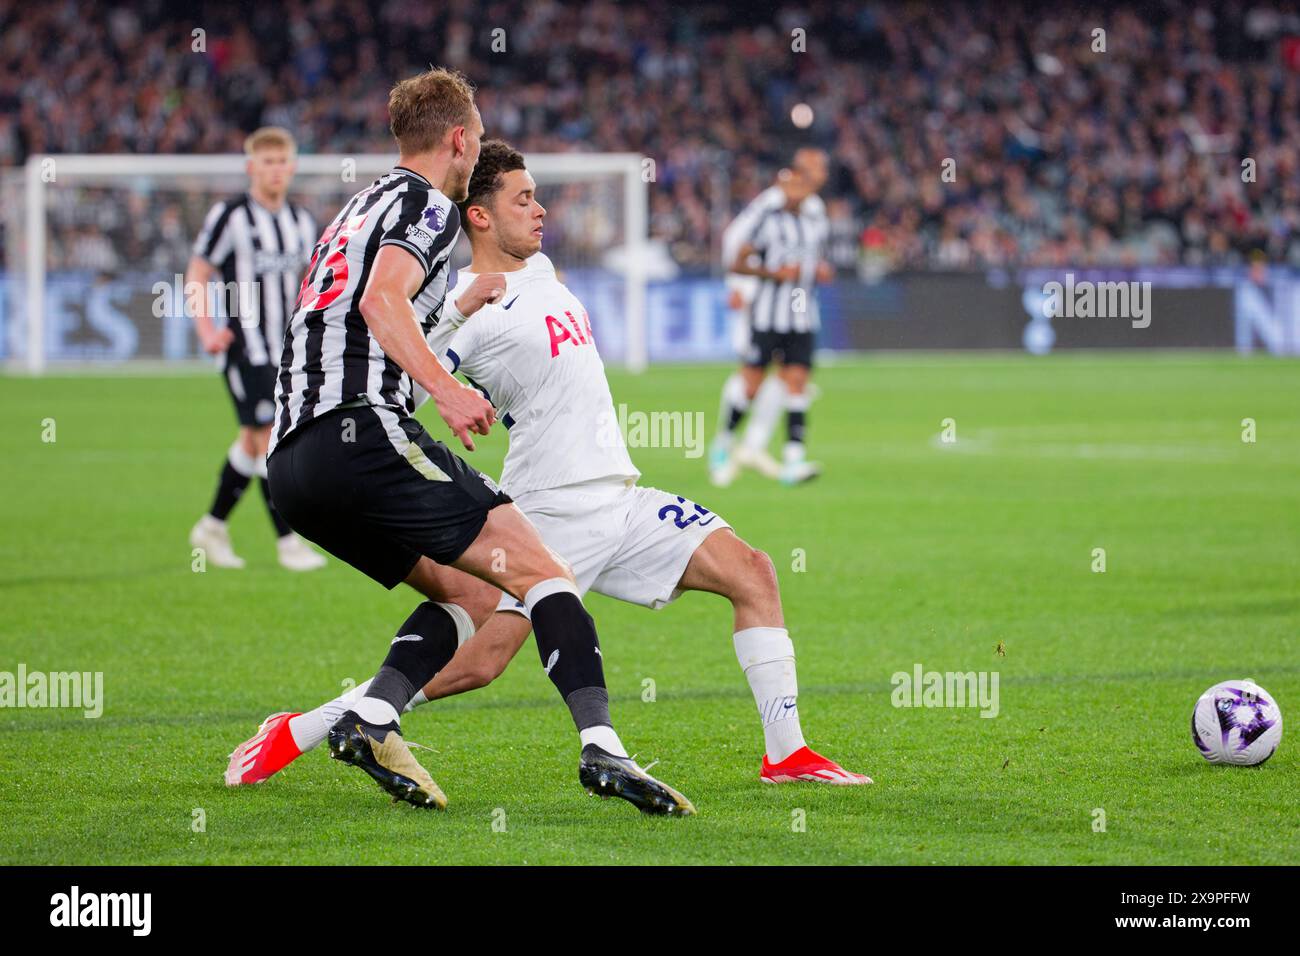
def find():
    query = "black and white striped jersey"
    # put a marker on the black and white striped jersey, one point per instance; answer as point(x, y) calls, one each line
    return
point(782, 237)
point(261, 256)
point(330, 358)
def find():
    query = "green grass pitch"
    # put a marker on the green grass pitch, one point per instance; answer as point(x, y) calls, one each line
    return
point(916, 551)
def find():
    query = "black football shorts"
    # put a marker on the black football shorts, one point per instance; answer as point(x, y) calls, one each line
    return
point(370, 486)
point(793, 348)
point(252, 390)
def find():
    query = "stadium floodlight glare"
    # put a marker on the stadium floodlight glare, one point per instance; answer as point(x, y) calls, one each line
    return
point(107, 228)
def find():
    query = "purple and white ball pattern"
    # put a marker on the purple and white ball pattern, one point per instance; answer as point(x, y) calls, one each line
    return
point(1236, 722)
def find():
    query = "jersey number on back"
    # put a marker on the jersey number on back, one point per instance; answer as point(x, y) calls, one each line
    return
point(334, 270)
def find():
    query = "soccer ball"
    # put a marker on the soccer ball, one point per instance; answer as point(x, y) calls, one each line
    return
point(1236, 722)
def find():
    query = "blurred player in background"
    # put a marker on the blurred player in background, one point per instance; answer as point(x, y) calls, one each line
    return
point(765, 409)
point(256, 245)
point(775, 251)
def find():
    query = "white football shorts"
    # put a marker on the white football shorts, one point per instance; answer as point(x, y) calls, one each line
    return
point(620, 540)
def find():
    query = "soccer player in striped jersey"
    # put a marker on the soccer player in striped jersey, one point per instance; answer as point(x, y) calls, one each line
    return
point(569, 471)
point(780, 240)
point(256, 246)
point(354, 471)
point(765, 408)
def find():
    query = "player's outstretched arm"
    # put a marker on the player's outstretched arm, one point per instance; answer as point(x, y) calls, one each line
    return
point(386, 307)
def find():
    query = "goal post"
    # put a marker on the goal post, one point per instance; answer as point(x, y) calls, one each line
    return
point(96, 237)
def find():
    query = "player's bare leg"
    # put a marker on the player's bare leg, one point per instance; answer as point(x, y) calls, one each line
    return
point(483, 658)
point(726, 565)
point(795, 468)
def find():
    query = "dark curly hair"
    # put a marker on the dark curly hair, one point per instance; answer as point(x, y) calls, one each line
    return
point(496, 158)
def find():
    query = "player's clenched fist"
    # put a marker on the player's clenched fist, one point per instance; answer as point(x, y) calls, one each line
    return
point(487, 288)
point(216, 341)
point(465, 410)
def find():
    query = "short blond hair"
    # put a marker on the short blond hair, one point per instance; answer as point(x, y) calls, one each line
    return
point(422, 108)
point(267, 137)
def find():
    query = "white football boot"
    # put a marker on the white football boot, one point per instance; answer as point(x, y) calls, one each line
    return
point(758, 459)
point(722, 464)
point(213, 537)
point(795, 471)
point(297, 555)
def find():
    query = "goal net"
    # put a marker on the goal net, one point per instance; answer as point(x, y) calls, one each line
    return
point(95, 247)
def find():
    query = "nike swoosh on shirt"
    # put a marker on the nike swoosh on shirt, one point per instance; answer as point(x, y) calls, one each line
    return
point(510, 303)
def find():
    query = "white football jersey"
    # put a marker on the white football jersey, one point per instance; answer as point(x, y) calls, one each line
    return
point(533, 356)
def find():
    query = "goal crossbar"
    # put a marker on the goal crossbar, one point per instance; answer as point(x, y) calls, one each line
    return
point(42, 171)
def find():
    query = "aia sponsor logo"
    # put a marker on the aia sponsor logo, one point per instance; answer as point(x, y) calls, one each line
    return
point(568, 330)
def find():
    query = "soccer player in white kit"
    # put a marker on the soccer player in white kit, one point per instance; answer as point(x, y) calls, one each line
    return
point(533, 355)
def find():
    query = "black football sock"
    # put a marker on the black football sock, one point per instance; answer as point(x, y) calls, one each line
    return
point(796, 422)
point(734, 416)
point(570, 651)
point(424, 644)
point(571, 656)
point(281, 526)
point(229, 489)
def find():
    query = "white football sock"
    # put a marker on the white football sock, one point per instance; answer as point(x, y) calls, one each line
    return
point(765, 414)
point(767, 656)
point(375, 711)
point(733, 397)
point(604, 738)
point(309, 730)
point(240, 460)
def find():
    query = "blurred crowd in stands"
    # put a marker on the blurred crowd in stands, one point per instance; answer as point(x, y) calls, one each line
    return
point(961, 134)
